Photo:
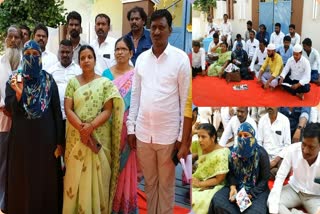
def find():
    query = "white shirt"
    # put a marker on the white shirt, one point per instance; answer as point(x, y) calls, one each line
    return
point(232, 130)
point(209, 27)
point(226, 29)
point(247, 35)
point(204, 114)
point(62, 76)
point(159, 93)
point(313, 58)
point(5, 72)
point(48, 60)
point(105, 50)
point(299, 70)
point(251, 47)
point(235, 45)
point(295, 39)
point(277, 39)
point(199, 59)
point(261, 57)
point(212, 45)
point(302, 179)
point(274, 137)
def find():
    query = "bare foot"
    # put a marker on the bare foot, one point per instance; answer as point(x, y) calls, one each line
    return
point(300, 95)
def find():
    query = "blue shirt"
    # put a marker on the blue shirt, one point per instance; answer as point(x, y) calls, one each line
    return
point(285, 55)
point(264, 36)
point(144, 44)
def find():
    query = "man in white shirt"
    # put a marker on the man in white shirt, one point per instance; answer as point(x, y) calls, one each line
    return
point(211, 27)
point(159, 92)
point(258, 58)
point(314, 58)
point(8, 63)
point(249, 28)
point(230, 132)
point(41, 35)
point(274, 136)
point(213, 44)
point(297, 83)
point(277, 36)
point(104, 44)
point(226, 29)
point(64, 70)
point(304, 183)
point(251, 45)
point(198, 59)
point(74, 30)
point(295, 37)
point(239, 39)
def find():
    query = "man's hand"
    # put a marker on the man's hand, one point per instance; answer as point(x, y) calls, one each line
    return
point(184, 150)
point(280, 80)
point(273, 163)
point(132, 141)
point(295, 86)
point(296, 136)
point(266, 85)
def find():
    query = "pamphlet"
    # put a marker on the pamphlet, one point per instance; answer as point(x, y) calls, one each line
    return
point(243, 200)
point(240, 87)
point(187, 166)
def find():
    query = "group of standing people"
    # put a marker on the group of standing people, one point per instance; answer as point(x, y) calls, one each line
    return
point(134, 114)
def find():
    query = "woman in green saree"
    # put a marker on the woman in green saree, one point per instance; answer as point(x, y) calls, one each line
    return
point(217, 68)
point(92, 141)
point(210, 175)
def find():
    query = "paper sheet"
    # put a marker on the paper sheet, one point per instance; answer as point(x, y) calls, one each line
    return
point(187, 166)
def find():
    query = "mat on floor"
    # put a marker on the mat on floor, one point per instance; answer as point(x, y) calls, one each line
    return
point(212, 91)
point(142, 205)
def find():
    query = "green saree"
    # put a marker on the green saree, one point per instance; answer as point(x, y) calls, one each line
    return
point(90, 180)
point(215, 68)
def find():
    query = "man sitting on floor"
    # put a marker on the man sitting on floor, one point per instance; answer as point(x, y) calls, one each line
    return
point(285, 50)
point(258, 58)
point(198, 59)
point(303, 188)
point(314, 58)
point(274, 61)
point(297, 83)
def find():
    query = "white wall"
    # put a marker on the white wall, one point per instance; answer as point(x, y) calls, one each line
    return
point(310, 26)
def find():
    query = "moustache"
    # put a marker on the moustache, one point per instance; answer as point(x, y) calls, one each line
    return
point(74, 33)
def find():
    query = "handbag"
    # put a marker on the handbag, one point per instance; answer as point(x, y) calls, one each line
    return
point(232, 73)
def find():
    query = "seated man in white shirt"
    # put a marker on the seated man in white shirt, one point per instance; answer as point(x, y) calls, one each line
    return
point(251, 45)
point(41, 35)
point(314, 58)
point(304, 183)
point(230, 133)
point(295, 37)
point(239, 39)
point(198, 59)
point(277, 36)
point(297, 83)
point(258, 58)
point(211, 27)
point(274, 136)
point(226, 29)
point(213, 44)
point(249, 28)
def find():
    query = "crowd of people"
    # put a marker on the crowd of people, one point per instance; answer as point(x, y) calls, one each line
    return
point(275, 60)
point(247, 148)
point(77, 128)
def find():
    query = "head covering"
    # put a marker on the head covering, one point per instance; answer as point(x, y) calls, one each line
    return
point(239, 53)
point(271, 47)
point(244, 158)
point(37, 84)
point(297, 48)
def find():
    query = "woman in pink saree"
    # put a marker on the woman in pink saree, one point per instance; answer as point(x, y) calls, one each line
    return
point(125, 200)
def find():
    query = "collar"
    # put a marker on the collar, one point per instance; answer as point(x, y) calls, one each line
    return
point(71, 64)
point(144, 34)
point(166, 50)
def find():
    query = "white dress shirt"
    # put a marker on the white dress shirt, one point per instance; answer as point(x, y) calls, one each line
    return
point(314, 59)
point(261, 57)
point(48, 60)
point(232, 130)
point(295, 39)
point(209, 27)
point(301, 180)
point(251, 47)
point(235, 45)
point(199, 59)
point(103, 51)
point(277, 39)
point(159, 93)
point(226, 29)
point(62, 76)
point(274, 137)
point(299, 70)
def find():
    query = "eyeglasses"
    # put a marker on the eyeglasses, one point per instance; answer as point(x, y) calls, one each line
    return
point(122, 50)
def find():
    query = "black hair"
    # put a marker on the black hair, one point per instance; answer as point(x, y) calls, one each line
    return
point(225, 15)
point(160, 14)
point(126, 41)
point(263, 26)
point(307, 42)
point(74, 15)
point(263, 42)
point(102, 15)
point(249, 23)
point(312, 130)
point(287, 38)
point(195, 43)
point(251, 31)
point(238, 36)
point(25, 27)
point(292, 26)
point(210, 129)
point(215, 35)
point(66, 42)
point(140, 10)
point(41, 27)
point(83, 47)
point(225, 43)
point(278, 25)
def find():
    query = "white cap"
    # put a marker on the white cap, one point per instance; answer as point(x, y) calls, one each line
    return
point(271, 47)
point(297, 48)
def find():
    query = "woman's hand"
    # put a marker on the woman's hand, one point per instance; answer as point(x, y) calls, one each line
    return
point(16, 86)
point(196, 182)
point(87, 129)
point(232, 194)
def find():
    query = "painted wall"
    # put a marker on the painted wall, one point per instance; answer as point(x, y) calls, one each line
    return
point(176, 10)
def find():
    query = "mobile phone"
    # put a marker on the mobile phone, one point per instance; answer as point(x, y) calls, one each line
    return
point(106, 56)
point(317, 180)
point(278, 132)
point(175, 157)
point(19, 78)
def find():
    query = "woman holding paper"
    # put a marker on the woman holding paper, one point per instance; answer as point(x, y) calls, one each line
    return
point(210, 175)
point(217, 68)
point(249, 173)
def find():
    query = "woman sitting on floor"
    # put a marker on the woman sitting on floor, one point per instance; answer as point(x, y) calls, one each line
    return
point(249, 169)
point(212, 169)
point(224, 58)
point(239, 57)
